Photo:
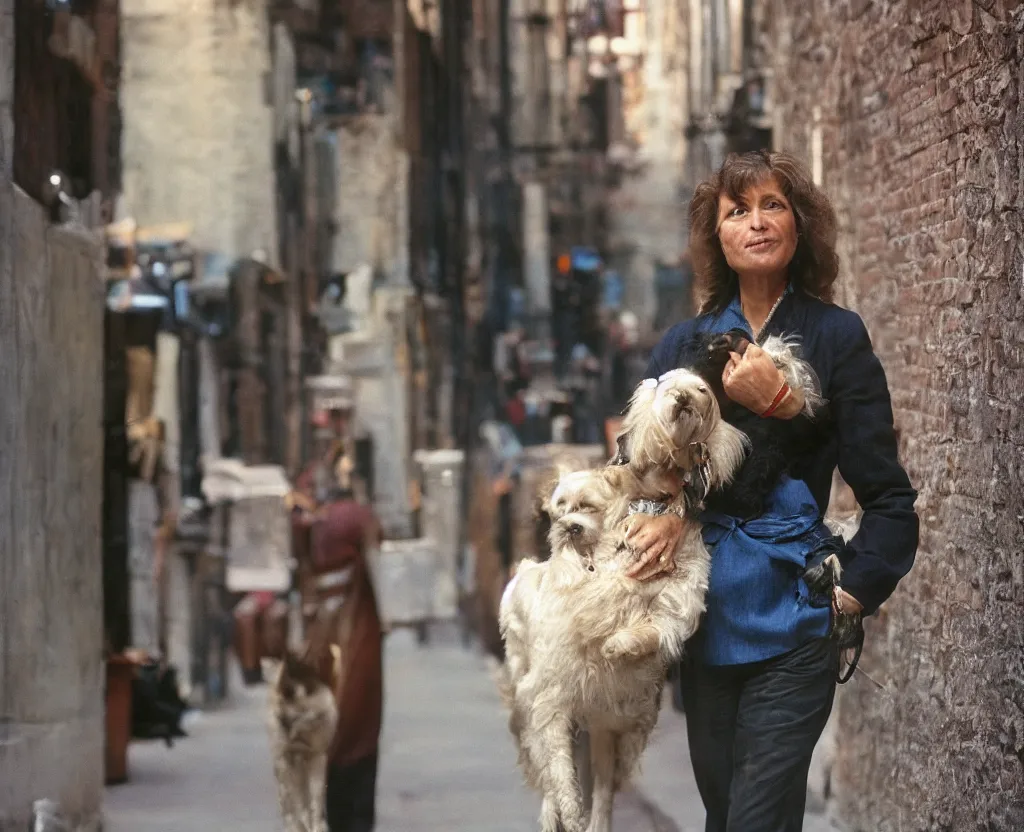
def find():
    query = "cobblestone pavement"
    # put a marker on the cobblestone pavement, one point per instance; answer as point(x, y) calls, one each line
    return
point(447, 762)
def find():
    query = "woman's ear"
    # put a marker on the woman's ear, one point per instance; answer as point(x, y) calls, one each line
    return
point(727, 449)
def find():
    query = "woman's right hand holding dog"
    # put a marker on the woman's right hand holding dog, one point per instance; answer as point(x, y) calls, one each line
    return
point(654, 540)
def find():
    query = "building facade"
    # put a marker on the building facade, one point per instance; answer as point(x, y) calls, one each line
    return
point(910, 114)
point(52, 195)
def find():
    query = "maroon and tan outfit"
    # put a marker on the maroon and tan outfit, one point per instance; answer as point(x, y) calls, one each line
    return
point(341, 587)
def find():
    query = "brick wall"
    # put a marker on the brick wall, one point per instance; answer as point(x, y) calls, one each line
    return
point(921, 115)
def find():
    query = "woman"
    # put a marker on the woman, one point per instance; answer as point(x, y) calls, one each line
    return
point(760, 676)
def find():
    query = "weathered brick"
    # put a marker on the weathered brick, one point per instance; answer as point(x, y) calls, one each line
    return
point(931, 177)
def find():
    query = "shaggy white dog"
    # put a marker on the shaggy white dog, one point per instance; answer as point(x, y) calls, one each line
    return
point(586, 646)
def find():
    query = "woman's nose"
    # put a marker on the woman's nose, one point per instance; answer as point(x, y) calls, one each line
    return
point(757, 220)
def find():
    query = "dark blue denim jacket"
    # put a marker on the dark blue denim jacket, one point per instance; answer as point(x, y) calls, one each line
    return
point(757, 603)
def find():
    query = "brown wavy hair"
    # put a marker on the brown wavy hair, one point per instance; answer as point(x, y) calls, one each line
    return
point(815, 264)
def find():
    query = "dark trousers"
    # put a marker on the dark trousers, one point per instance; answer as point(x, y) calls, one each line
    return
point(752, 729)
point(352, 796)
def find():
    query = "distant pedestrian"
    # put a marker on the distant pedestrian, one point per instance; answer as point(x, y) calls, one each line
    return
point(584, 381)
point(341, 534)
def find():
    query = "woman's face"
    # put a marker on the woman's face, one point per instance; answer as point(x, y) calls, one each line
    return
point(758, 230)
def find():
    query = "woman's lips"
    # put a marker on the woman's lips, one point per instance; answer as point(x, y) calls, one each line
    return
point(760, 245)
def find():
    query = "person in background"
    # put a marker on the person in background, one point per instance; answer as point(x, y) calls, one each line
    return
point(341, 534)
point(583, 382)
point(625, 373)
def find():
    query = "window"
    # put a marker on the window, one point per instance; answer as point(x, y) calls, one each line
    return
point(62, 111)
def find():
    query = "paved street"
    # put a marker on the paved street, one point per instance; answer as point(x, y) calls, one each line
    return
point(447, 763)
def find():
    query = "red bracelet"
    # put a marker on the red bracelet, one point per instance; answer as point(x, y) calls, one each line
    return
point(779, 398)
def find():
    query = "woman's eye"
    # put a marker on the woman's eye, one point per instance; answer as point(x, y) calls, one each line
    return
point(737, 211)
point(775, 204)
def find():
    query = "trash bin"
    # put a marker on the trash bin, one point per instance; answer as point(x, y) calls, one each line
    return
point(120, 671)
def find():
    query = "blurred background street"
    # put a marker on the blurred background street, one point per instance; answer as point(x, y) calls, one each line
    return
point(380, 267)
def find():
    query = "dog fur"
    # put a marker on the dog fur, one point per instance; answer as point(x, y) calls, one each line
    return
point(303, 715)
point(587, 647)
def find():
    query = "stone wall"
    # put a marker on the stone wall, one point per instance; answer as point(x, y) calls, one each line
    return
point(198, 118)
point(370, 208)
point(648, 211)
point(51, 456)
point(917, 109)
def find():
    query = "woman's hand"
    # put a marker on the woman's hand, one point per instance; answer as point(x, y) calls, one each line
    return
point(844, 603)
point(753, 380)
point(654, 539)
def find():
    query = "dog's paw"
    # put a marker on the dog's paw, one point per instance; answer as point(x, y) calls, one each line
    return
point(846, 629)
point(822, 577)
point(625, 645)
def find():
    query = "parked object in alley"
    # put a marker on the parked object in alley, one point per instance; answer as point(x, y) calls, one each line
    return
point(302, 719)
point(157, 707)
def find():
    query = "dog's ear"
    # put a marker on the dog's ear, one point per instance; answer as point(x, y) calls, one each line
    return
point(621, 450)
point(643, 396)
point(562, 467)
point(639, 408)
point(544, 493)
point(271, 669)
point(727, 448)
point(617, 478)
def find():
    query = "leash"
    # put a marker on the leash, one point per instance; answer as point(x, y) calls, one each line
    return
point(855, 643)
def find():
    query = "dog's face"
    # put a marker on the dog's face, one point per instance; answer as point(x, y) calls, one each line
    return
point(294, 682)
point(666, 415)
point(685, 406)
point(675, 423)
point(579, 506)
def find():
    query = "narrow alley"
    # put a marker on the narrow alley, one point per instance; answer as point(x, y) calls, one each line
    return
point(447, 762)
point(307, 306)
